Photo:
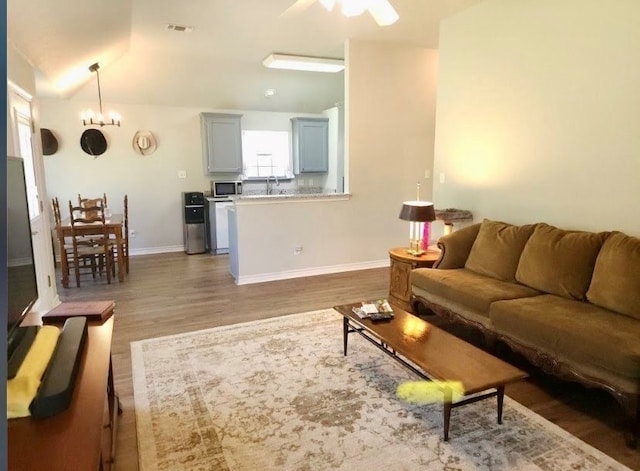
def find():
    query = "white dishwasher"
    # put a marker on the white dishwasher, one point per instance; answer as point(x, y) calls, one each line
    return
point(222, 226)
point(217, 224)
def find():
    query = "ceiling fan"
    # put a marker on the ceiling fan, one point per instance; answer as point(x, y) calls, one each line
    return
point(381, 10)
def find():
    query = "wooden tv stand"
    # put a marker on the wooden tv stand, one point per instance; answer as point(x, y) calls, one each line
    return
point(84, 435)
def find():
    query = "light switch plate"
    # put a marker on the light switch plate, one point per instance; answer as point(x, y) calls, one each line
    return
point(182, 174)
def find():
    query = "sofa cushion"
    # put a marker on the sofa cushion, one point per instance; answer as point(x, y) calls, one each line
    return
point(615, 283)
point(455, 247)
point(469, 289)
point(497, 249)
point(559, 262)
point(573, 330)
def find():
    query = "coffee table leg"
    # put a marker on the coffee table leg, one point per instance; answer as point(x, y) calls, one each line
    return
point(448, 396)
point(345, 333)
point(500, 397)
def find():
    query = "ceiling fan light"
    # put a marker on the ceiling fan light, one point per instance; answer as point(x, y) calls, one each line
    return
point(305, 63)
point(328, 4)
point(382, 12)
point(353, 7)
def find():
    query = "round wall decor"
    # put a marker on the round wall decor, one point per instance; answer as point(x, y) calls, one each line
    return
point(93, 142)
point(144, 142)
point(49, 142)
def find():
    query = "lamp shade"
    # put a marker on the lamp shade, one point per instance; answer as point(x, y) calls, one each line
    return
point(418, 211)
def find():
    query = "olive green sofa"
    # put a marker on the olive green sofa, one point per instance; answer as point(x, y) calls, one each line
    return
point(569, 301)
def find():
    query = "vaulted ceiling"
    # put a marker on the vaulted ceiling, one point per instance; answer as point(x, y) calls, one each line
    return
point(218, 64)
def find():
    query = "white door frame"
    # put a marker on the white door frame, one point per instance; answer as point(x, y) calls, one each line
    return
point(21, 109)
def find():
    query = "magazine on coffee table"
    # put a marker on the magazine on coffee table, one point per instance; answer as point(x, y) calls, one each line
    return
point(374, 310)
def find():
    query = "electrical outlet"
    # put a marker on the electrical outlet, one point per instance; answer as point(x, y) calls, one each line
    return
point(297, 250)
point(133, 233)
point(182, 174)
point(427, 174)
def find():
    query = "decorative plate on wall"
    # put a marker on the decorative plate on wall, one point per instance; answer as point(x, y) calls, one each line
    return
point(93, 142)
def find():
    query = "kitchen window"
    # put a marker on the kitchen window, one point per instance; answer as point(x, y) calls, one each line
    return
point(266, 154)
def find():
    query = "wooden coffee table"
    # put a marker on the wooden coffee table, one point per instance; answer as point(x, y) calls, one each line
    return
point(433, 353)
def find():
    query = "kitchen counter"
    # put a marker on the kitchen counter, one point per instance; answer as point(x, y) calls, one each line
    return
point(289, 195)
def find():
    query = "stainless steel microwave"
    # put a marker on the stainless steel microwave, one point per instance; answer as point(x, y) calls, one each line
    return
point(226, 188)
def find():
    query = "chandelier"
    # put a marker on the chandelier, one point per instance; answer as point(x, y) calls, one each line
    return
point(89, 118)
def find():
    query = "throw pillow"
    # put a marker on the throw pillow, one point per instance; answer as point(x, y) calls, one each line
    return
point(559, 262)
point(616, 277)
point(497, 249)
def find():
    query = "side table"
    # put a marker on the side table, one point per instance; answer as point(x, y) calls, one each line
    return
point(401, 265)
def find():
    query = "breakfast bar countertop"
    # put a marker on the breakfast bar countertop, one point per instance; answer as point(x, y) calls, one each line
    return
point(290, 195)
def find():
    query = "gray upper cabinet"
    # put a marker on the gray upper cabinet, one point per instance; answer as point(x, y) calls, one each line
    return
point(310, 145)
point(221, 142)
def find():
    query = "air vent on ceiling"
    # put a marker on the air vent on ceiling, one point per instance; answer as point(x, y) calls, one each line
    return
point(180, 28)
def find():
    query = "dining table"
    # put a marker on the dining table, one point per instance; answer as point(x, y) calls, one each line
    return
point(113, 225)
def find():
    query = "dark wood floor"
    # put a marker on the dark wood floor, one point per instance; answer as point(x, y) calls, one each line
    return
point(171, 293)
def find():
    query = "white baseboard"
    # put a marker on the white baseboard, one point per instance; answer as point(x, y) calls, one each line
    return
point(155, 250)
point(285, 275)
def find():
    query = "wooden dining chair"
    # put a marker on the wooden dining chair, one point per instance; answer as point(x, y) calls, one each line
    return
point(97, 248)
point(67, 246)
point(125, 236)
point(55, 205)
point(84, 201)
point(92, 202)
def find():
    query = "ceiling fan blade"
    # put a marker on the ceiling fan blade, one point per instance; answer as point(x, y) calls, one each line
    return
point(298, 7)
point(382, 12)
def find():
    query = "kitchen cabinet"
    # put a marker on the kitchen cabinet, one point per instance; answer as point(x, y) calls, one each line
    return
point(221, 143)
point(310, 145)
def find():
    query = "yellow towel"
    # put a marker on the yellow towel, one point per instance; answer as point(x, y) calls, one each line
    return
point(427, 392)
point(22, 389)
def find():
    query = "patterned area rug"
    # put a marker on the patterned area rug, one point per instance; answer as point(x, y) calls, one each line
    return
point(279, 395)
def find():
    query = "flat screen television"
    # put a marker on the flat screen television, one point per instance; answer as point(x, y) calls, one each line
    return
point(22, 289)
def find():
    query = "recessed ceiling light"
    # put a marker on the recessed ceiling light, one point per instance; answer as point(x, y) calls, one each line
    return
point(269, 92)
point(180, 28)
point(311, 64)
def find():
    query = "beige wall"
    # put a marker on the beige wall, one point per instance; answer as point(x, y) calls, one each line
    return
point(389, 109)
point(151, 182)
point(538, 113)
point(391, 104)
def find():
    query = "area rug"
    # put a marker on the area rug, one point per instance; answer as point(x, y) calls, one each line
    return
point(279, 395)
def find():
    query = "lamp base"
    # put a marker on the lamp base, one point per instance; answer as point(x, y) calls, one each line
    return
point(415, 247)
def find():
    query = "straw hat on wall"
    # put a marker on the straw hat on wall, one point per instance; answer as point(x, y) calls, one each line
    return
point(144, 142)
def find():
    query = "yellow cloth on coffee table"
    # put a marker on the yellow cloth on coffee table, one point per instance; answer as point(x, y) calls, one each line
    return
point(428, 392)
point(22, 389)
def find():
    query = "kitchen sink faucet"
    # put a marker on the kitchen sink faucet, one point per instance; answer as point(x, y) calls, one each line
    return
point(269, 185)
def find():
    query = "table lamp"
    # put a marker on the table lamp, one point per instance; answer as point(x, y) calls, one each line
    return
point(417, 213)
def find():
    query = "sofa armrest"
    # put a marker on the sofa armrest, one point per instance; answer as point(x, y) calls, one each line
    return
point(455, 247)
